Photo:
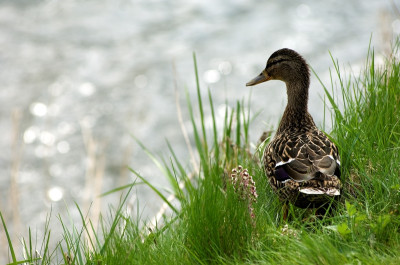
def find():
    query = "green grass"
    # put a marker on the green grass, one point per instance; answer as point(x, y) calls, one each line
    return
point(212, 222)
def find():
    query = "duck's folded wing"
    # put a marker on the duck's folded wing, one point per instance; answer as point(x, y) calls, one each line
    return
point(304, 157)
point(304, 169)
point(296, 169)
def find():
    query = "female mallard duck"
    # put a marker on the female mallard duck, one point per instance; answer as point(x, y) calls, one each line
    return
point(301, 163)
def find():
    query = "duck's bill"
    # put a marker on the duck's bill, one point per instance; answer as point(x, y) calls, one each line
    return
point(263, 77)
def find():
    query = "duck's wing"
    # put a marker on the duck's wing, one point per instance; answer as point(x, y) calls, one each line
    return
point(304, 157)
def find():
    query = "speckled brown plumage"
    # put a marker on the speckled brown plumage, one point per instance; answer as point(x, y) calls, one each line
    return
point(301, 163)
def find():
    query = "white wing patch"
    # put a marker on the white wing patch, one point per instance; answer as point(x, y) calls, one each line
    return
point(316, 191)
point(337, 160)
point(281, 163)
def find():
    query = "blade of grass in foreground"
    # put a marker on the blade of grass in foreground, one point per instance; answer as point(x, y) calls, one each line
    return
point(200, 104)
point(121, 188)
point(216, 145)
point(14, 258)
point(73, 242)
point(152, 157)
point(155, 190)
point(238, 122)
point(115, 222)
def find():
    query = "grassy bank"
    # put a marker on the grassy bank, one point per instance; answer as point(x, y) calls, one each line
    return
point(219, 221)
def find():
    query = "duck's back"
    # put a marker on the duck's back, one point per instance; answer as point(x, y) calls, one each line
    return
point(303, 166)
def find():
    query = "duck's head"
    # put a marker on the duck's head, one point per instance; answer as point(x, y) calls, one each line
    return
point(285, 65)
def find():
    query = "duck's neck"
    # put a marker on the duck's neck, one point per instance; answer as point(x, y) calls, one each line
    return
point(296, 114)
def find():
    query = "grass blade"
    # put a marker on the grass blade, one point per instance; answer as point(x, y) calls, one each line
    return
point(155, 190)
point(14, 258)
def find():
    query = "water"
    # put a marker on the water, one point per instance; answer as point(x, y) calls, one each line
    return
point(79, 77)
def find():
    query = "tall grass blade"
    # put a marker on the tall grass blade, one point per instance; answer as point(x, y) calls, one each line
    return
point(215, 133)
point(10, 245)
point(200, 101)
point(115, 222)
point(151, 156)
point(238, 123)
point(121, 188)
point(155, 190)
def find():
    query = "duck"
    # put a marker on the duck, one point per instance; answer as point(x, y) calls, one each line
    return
point(302, 164)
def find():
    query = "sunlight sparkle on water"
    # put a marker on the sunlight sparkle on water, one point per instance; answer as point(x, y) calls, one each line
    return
point(225, 68)
point(47, 138)
point(211, 76)
point(38, 109)
point(63, 147)
point(87, 89)
point(55, 193)
point(65, 128)
point(31, 134)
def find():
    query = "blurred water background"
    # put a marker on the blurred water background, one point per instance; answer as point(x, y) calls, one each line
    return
point(78, 77)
